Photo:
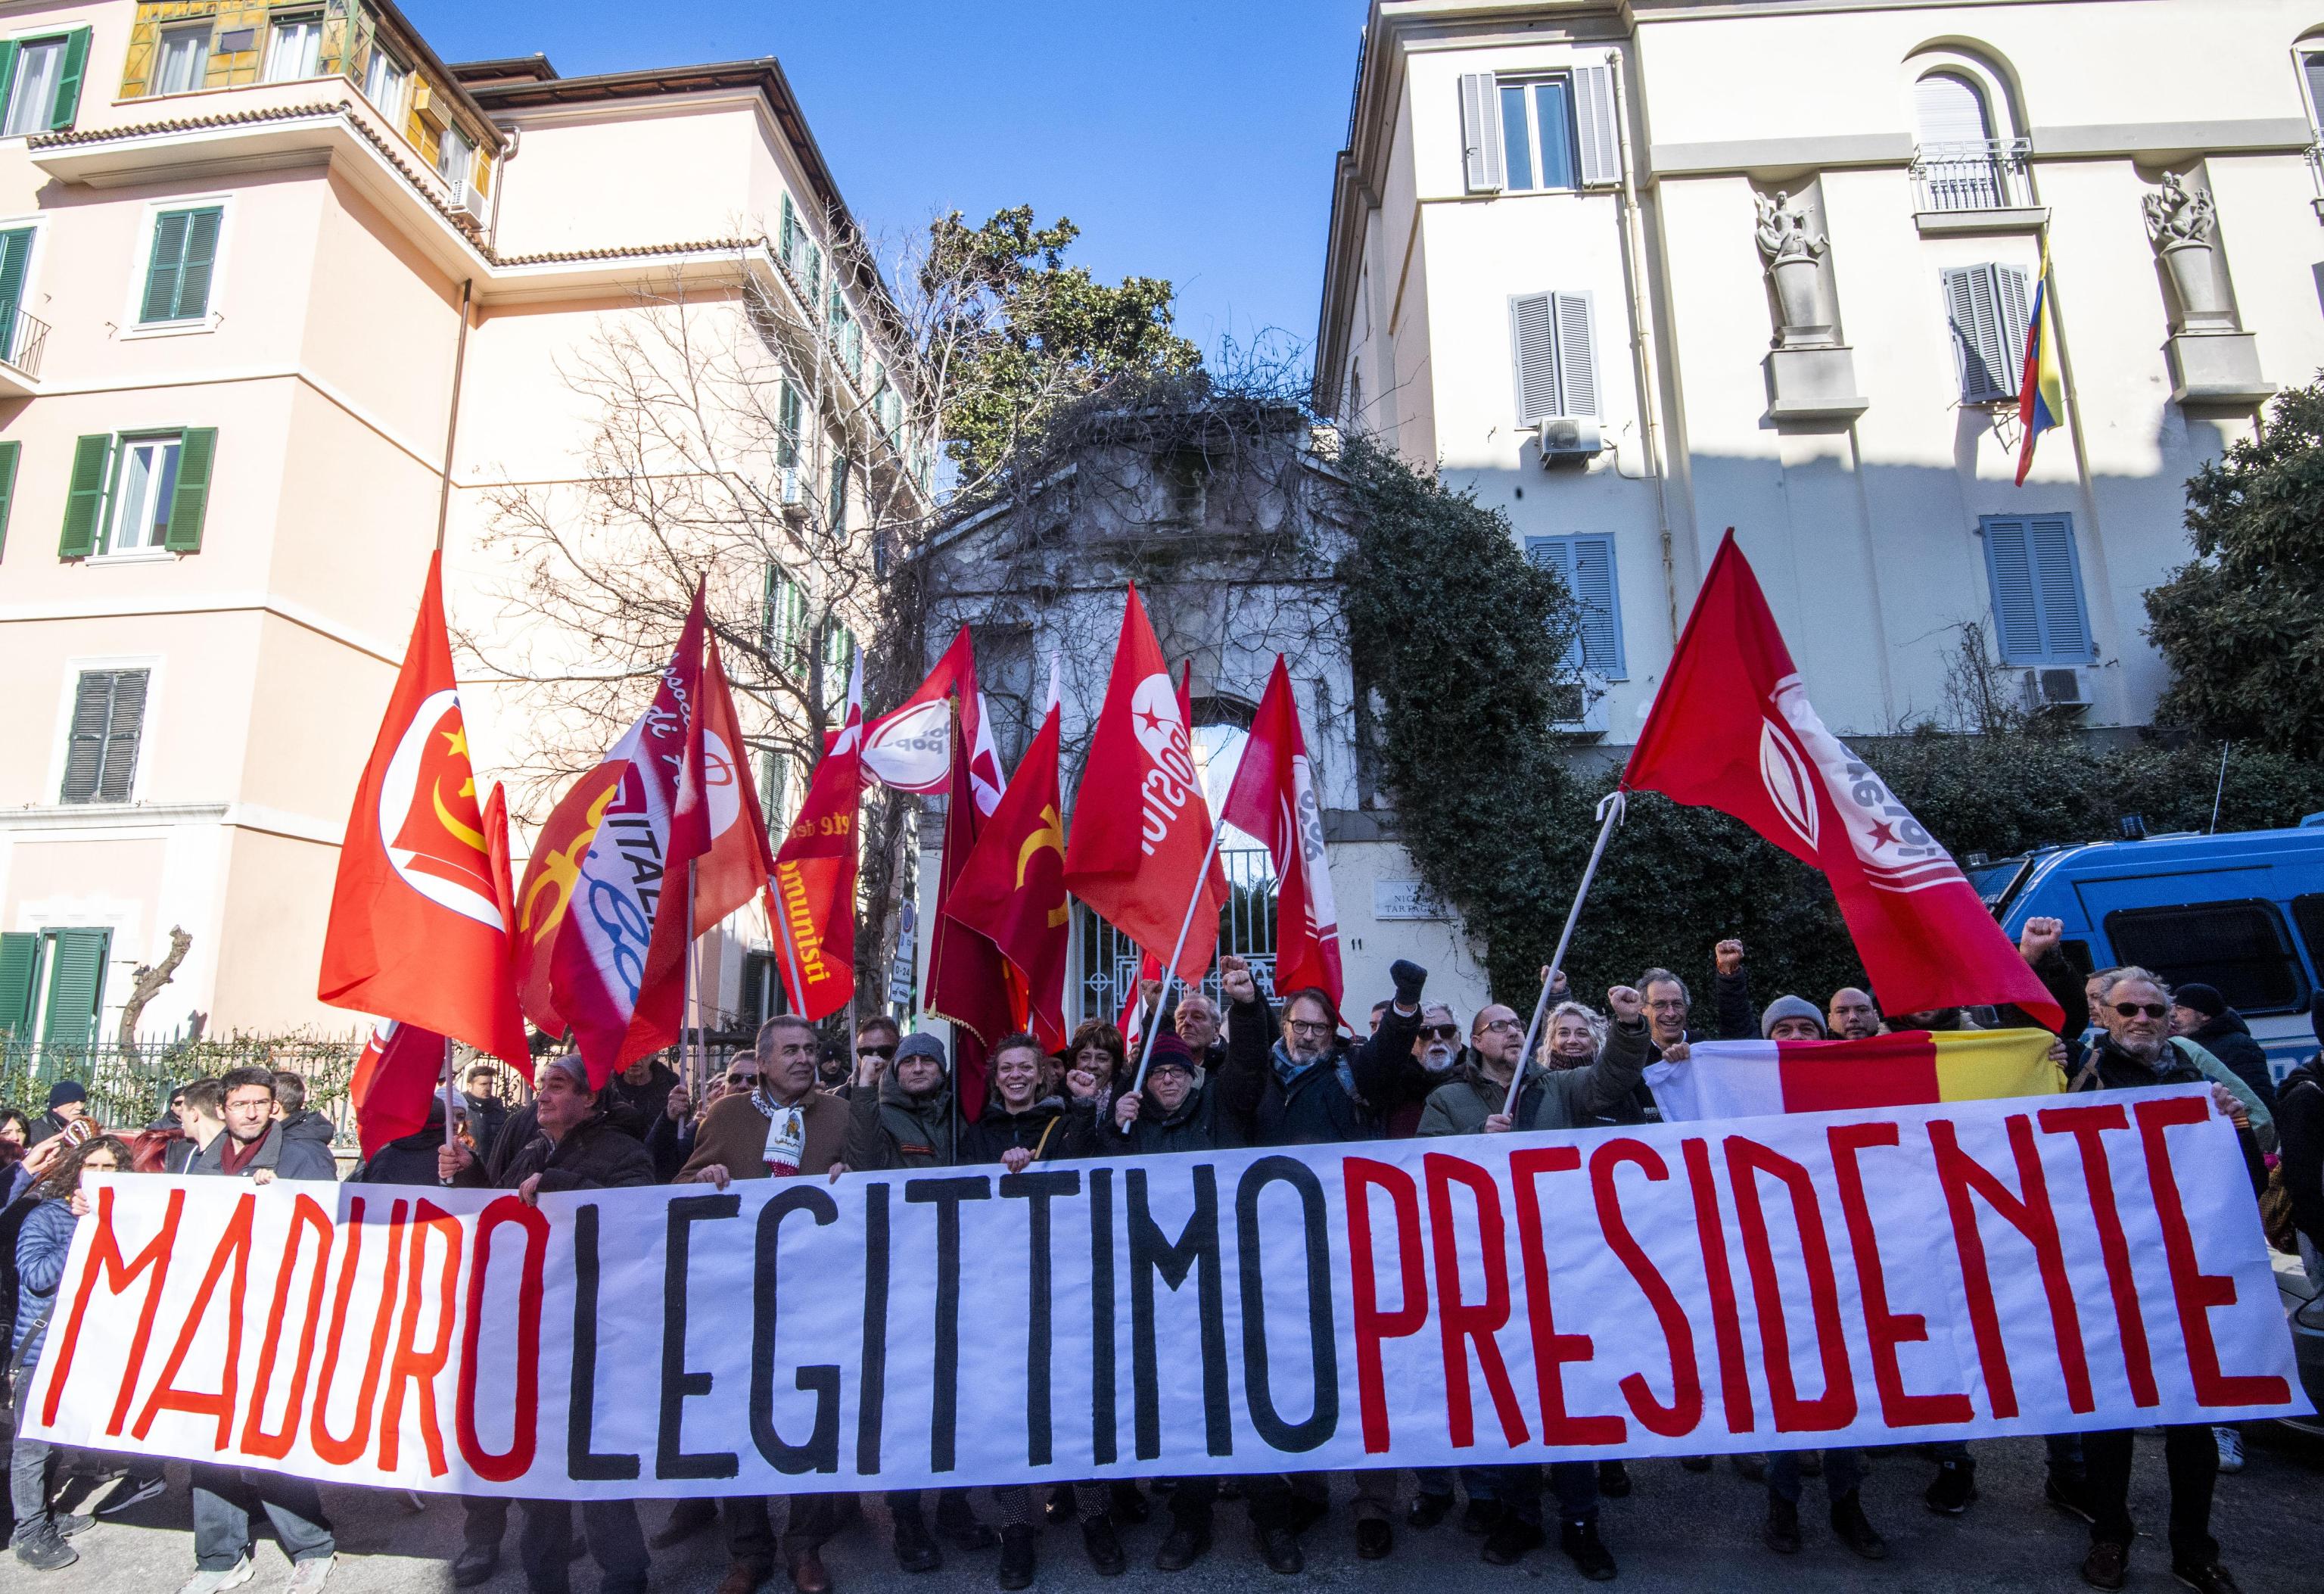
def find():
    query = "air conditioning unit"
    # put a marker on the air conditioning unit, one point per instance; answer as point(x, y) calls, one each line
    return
point(1577, 708)
point(794, 488)
point(1569, 437)
point(471, 202)
point(2054, 691)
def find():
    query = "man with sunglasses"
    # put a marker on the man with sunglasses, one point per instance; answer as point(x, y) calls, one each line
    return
point(2134, 1050)
point(876, 1043)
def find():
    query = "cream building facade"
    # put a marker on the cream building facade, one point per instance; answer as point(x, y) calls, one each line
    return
point(279, 291)
point(1639, 272)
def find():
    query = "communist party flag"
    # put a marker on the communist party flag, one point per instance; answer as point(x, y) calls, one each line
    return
point(1011, 890)
point(1763, 1078)
point(813, 907)
point(738, 861)
point(909, 747)
point(1273, 798)
point(1141, 826)
point(617, 969)
point(547, 889)
point(970, 983)
point(1732, 729)
point(416, 932)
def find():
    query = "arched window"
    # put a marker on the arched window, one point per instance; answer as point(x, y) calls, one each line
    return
point(1960, 164)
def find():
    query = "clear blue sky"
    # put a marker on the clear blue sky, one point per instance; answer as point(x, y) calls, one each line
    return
point(1190, 139)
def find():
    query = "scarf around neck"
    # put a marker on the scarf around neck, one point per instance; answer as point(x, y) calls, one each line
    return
point(786, 1134)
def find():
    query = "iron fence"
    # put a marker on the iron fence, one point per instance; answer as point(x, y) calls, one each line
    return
point(1110, 959)
point(23, 338)
point(129, 1087)
point(1982, 174)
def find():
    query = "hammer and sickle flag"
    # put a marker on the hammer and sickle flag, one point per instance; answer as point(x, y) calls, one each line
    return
point(418, 932)
point(1012, 889)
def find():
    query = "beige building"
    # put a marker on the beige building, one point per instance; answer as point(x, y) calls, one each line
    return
point(1642, 272)
point(278, 290)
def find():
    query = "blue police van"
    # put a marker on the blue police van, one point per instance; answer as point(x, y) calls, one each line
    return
point(2243, 912)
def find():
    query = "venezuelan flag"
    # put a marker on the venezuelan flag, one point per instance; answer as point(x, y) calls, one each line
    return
point(2041, 388)
point(1764, 1078)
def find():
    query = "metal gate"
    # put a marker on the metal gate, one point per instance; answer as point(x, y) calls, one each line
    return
point(1110, 959)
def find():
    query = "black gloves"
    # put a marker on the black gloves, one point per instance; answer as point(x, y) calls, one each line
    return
point(1409, 978)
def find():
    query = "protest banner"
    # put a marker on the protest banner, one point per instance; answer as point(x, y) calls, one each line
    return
point(1947, 1270)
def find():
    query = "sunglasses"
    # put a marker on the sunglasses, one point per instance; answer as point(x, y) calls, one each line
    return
point(1441, 1032)
point(2133, 1010)
point(745, 1080)
point(885, 1053)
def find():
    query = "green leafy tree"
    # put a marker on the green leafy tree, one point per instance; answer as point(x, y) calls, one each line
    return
point(2243, 626)
point(1010, 331)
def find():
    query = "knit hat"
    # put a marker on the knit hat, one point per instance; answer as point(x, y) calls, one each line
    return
point(64, 1091)
point(2200, 998)
point(1169, 1052)
point(571, 1063)
point(1789, 1007)
point(921, 1044)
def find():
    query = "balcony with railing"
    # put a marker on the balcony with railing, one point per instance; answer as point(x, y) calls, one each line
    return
point(23, 338)
point(1976, 187)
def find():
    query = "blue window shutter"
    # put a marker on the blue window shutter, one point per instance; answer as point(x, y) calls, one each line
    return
point(2058, 589)
point(2016, 610)
point(1592, 578)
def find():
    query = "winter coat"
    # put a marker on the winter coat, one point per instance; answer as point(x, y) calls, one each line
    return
point(2299, 1146)
point(46, 1126)
point(595, 1155)
point(2229, 1039)
point(1053, 1128)
point(1393, 1082)
point(890, 1128)
point(411, 1160)
point(41, 1246)
point(1549, 1099)
point(1323, 1104)
point(514, 1135)
point(648, 1098)
point(2108, 1067)
point(1200, 1124)
point(488, 1117)
point(669, 1143)
point(311, 1126)
point(289, 1156)
point(733, 1134)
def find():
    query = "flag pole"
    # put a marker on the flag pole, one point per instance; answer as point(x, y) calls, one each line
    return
point(690, 1054)
point(441, 1179)
point(1171, 969)
point(1610, 814)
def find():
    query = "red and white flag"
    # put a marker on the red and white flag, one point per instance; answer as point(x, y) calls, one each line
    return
point(1273, 798)
point(909, 748)
point(814, 890)
point(739, 861)
point(416, 931)
point(1732, 729)
point(1142, 827)
point(616, 962)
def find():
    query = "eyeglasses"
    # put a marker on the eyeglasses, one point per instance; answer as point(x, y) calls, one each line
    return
point(2133, 1010)
point(1307, 1027)
point(1499, 1024)
point(1669, 1005)
point(1441, 1032)
point(746, 1081)
point(888, 1053)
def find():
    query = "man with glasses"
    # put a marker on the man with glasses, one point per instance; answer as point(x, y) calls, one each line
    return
point(876, 1042)
point(1298, 1085)
point(2134, 1049)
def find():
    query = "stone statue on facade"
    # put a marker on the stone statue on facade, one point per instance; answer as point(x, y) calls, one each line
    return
point(2183, 223)
point(1794, 255)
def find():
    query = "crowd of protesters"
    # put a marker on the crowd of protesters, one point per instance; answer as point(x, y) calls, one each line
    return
point(1252, 1076)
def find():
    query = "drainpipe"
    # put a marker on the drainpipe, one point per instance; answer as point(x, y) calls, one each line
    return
point(452, 420)
point(1642, 351)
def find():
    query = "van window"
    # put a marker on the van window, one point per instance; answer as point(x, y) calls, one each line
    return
point(2241, 948)
point(2308, 913)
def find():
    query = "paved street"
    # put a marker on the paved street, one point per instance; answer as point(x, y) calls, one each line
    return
point(1679, 1531)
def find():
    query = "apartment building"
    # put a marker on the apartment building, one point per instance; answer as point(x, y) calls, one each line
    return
point(1642, 272)
point(280, 291)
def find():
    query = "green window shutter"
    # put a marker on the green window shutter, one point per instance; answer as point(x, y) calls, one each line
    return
point(8, 453)
point(15, 255)
point(20, 968)
point(190, 503)
point(164, 267)
point(76, 987)
point(85, 496)
point(67, 101)
point(7, 70)
point(201, 257)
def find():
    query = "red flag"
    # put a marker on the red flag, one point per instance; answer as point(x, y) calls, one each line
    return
point(1732, 729)
point(910, 747)
point(1273, 798)
point(1011, 890)
point(558, 850)
point(739, 862)
point(398, 1074)
point(968, 979)
point(814, 905)
point(416, 932)
point(1132, 1022)
point(1140, 825)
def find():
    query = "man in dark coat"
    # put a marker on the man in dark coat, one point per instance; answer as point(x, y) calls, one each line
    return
point(2201, 1014)
point(67, 1102)
point(574, 1146)
point(480, 1099)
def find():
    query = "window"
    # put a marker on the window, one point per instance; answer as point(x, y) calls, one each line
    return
point(133, 493)
point(295, 48)
point(70, 966)
point(179, 270)
point(2238, 947)
point(185, 60)
point(786, 426)
point(384, 78)
point(799, 251)
point(1540, 133)
point(1555, 358)
point(39, 82)
point(1988, 309)
point(1586, 563)
point(836, 510)
point(8, 454)
point(101, 747)
point(2308, 913)
point(2038, 613)
point(454, 154)
point(15, 260)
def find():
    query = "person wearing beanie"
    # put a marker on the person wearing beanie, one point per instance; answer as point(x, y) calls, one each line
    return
point(1792, 1018)
point(2198, 1013)
point(68, 1104)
